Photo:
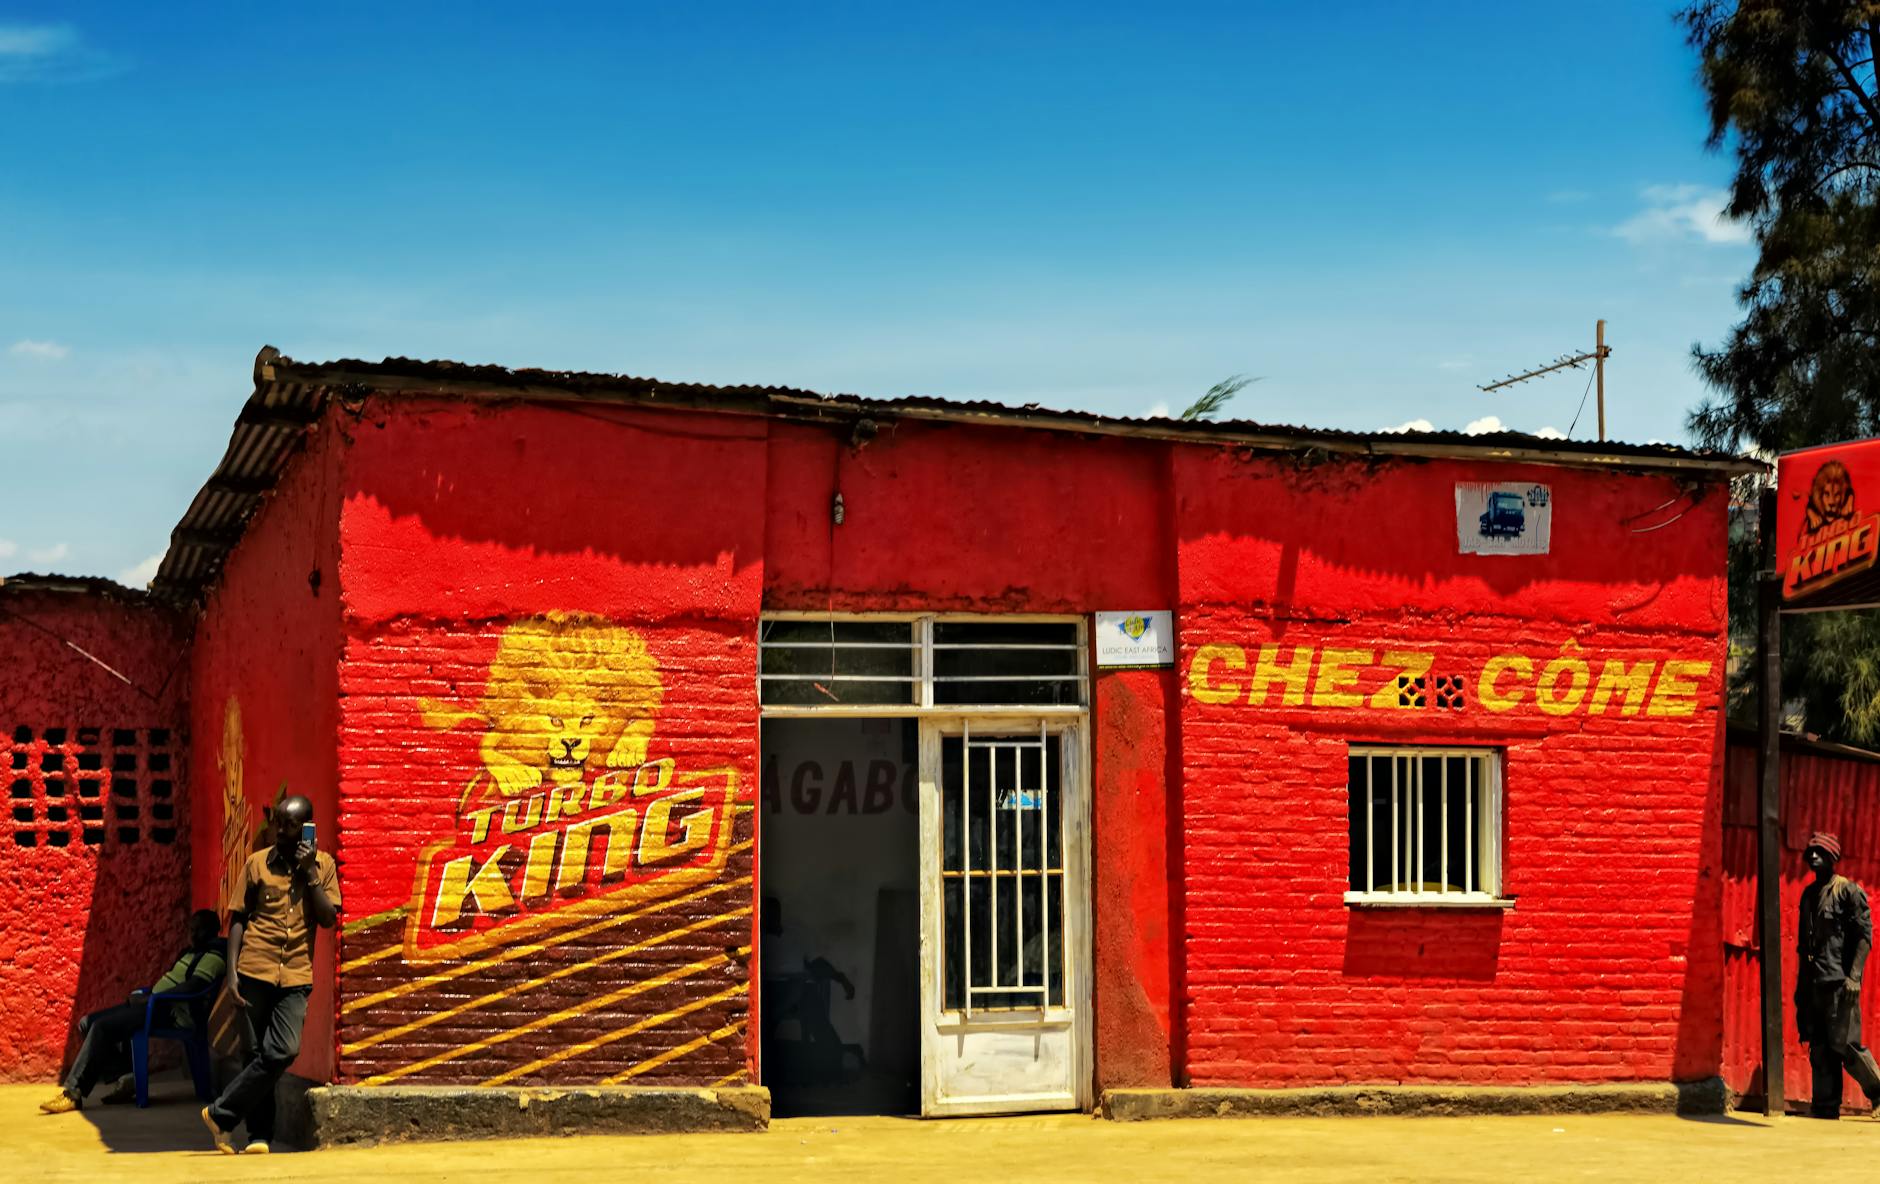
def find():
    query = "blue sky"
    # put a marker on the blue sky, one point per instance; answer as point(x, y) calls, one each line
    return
point(1374, 207)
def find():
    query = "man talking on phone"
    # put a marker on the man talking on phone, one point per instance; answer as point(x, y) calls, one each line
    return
point(284, 892)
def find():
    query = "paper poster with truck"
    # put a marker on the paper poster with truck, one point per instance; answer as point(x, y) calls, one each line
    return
point(1503, 518)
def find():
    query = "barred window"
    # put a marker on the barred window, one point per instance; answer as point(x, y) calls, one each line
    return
point(1425, 826)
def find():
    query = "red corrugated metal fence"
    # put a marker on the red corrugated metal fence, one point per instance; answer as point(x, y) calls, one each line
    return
point(1823, 788)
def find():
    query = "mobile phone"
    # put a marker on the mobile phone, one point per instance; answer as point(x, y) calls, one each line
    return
point(306, 833)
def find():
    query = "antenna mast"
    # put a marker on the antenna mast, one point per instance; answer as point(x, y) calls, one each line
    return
point(1571, 362)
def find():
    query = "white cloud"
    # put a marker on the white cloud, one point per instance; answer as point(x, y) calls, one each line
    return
point(49, 351)
point(1488, 423)
point(1551, 433)
point(35, 41)
point(141, 575)
point(1414, 425)
point(1159, 411)
point(56, 553)
point(8, 548)
point(1682, 213)
point(1462, 363)
point(49, 53)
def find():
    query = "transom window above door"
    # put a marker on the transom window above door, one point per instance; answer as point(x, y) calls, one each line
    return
point(920, 662)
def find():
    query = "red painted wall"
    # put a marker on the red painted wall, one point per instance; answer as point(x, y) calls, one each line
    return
point(941, 517)
point(93, 856)
point(492, 555)
point(264, 697)
point(495, 556)
point(1608, 968)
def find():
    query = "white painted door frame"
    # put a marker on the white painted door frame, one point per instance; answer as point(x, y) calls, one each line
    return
point(1009, 1061)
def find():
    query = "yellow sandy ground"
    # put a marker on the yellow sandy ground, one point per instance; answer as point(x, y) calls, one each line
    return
point(166, 1145)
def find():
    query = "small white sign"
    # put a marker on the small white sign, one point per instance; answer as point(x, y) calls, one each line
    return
point(1141, 639)
point(1503, 518)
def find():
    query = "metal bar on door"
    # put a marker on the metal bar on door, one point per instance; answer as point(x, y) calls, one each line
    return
point(966, 861)
point(1444, 869)
point(1018, 858)
point(992, 846)
point(1044, 861)
point(1396, 879)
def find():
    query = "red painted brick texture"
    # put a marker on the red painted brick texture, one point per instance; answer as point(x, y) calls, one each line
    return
point(1223, 945)
point(480, 543)
point(94, 848)
point(1608, 968)
point(264, 673)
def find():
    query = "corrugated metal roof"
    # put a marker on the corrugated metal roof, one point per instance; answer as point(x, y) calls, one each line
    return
point(28, 581)
point(290, 395)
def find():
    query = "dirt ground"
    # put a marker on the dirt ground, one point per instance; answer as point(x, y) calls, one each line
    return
point(167, 1145)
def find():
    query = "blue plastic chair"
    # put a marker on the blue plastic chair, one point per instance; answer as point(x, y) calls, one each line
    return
point(195, 1040)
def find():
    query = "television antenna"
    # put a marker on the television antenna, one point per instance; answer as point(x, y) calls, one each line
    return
point(1571, 362)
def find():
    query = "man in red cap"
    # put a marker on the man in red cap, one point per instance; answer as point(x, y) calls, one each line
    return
point(1836, 935)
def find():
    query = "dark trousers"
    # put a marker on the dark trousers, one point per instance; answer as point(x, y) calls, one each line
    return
point(105, 1052)
point(1831, 1025)
point(271, 1023)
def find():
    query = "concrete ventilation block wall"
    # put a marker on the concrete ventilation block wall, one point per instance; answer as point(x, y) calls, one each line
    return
point(94, 844)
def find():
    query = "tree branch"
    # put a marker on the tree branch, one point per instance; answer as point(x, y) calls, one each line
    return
point(1850, 166)
point(1866, 100)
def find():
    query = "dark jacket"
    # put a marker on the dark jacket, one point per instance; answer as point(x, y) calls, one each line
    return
point(1836, 933)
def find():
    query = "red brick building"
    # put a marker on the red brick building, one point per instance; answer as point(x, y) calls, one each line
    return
point(921, 756)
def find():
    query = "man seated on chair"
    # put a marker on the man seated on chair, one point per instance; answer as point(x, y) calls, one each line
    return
point(105, 1051)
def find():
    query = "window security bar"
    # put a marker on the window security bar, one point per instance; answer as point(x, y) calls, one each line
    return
point(867, 663)
point(1000, 983)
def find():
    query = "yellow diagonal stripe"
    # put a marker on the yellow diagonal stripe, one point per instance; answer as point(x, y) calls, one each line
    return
point(638, 1026)
point(365, 923)
point(673, 1054)
point(546, 1021)
point(612, 955)
point(736, 1075)
point(377, 955)
point(525, 949)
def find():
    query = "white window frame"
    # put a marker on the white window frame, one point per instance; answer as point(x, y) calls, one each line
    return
point(1486, 806)
point(922, 677)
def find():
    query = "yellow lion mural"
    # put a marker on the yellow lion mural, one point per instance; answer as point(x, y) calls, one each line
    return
point(568, 693)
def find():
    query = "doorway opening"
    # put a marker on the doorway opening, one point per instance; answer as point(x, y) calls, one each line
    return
point(839, 914)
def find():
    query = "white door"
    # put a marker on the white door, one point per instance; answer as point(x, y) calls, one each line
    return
point(1003, 941)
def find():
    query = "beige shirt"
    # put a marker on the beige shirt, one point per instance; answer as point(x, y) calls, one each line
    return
point(277, 934)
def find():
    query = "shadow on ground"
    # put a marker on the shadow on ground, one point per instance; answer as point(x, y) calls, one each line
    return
point(169, 1124)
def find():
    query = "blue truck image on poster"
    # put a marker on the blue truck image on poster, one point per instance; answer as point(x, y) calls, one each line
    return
point(1505, 517)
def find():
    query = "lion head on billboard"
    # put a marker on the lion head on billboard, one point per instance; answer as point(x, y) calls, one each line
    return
point(568, 694)
point(1830, 497)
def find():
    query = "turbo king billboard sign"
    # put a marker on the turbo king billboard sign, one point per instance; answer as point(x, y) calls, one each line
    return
point(1828, 526)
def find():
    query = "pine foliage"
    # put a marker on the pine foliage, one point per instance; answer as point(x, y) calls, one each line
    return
point(1792, 94)
point(1217, 396)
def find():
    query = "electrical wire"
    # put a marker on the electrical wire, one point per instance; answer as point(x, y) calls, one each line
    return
point(1582, 406)
point(81, 652)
